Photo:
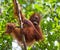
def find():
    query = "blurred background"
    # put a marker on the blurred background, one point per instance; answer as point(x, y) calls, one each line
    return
point(50, 24)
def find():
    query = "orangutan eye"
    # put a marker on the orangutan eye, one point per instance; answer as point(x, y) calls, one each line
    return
point(36, 17)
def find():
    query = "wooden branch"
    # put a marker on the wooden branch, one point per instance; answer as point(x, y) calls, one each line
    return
point(18, 13)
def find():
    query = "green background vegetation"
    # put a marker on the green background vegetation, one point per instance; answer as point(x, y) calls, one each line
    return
point(50, 24)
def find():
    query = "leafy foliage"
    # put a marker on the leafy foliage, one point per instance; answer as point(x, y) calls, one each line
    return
point(50, 24)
